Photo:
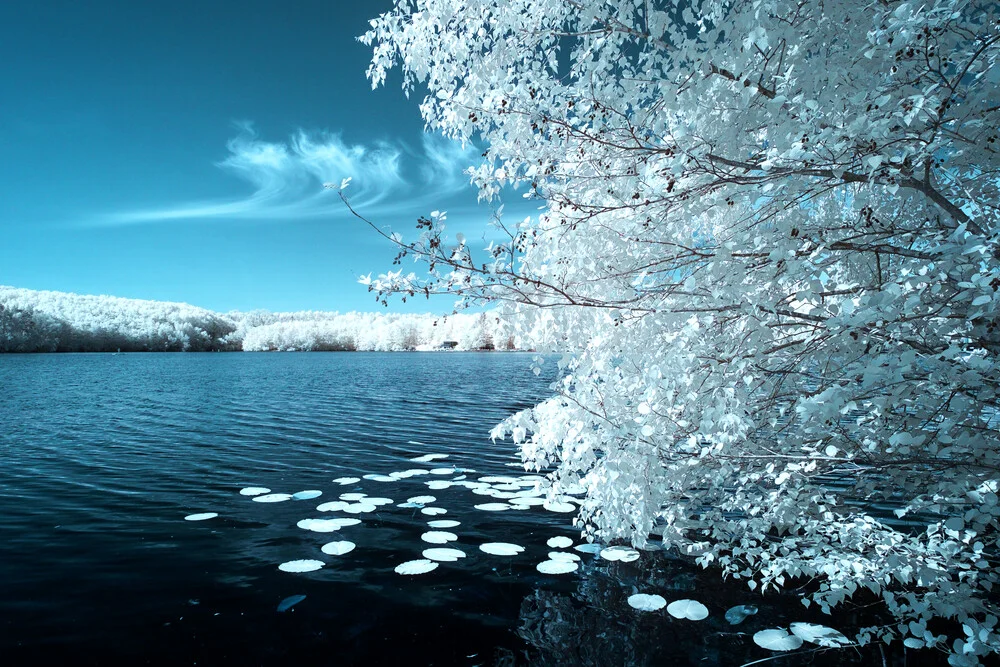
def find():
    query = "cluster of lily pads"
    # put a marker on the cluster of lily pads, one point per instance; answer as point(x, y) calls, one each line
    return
point(773, 639)
point(510, 494)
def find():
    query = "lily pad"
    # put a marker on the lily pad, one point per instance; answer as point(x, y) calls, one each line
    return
point(438, 537)
point(691, 610)
point(493, 507)
point(301, 565)
point(564, 556)
point(272, 498)
point(421, 500)
point(360, 508)
point(338, 548)
point(412, 567)
point(501, 548)
point(332, 506)
point(353, 497)
point(307, 495)
point(819, 634)
point(204, 516)
point(559, 542)
point(527, 501)
point(254, 491)
point(777, 639)
point(557, 566)
point(623, 554)
point(739, 613)
point(320, 525)
point(443, 523)
point(427, 458)
point(344, 481)
point(443, 555)
point(433, 511)
point(438, 484)
point(646, 602)
point(558, 506)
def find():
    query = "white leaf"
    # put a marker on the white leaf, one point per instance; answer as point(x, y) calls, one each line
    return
point(646, 602)
point(691, 610)
point(777, 639)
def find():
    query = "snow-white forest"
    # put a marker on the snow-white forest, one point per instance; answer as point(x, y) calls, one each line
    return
point(45, 321)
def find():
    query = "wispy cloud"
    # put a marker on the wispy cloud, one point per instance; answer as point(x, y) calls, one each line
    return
point(286, 179)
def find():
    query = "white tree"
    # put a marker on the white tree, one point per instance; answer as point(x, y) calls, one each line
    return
point(770, 241)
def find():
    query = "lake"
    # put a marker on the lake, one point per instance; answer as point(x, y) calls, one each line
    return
point(105, 455)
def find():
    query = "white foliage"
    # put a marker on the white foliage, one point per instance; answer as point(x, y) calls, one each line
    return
point(768, 238)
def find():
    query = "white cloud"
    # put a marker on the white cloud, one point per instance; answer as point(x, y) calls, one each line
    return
point(287, 179)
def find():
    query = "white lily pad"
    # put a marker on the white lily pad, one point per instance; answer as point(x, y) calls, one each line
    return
point(498, 479)
point(646, 602)
point(353, 497)
point(307, 495)
point(319, 525)
point(557, 566)
point(443, 523)
point(409, 505)
point(559, 506)
point(378, 501)
point(433, 511)
point(563, 555)
point(777, 639)
point(526, 501)
point(443, 555)
point(332, 506)
point(589, 548)
point(559, 542)
point(438, 537)
point(493, 507)
point(819, 634)
point(272, 498)
point(442, 471)
point(381, 478)
point(501, 548)
point(507, 487)
point(412, 567)
point(344, 481)
point(338, 548)
point(427, 458)
point(421, 500)
point(203, 516)
point(301, 565)
point(438, 484)
point(360, 508)
point(254, 491)
point(623, 554)
point(691, 610)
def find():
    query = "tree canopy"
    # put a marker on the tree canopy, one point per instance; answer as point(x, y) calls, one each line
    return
point(768, 236)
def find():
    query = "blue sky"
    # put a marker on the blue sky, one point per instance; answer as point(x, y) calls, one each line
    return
point(176, 151)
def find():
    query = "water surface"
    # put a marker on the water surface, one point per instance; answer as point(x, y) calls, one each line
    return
point(104, 455)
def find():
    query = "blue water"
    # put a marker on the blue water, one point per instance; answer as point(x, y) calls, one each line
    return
point(104, 455)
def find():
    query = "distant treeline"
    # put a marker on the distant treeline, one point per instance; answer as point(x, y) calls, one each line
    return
point(40, 321)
